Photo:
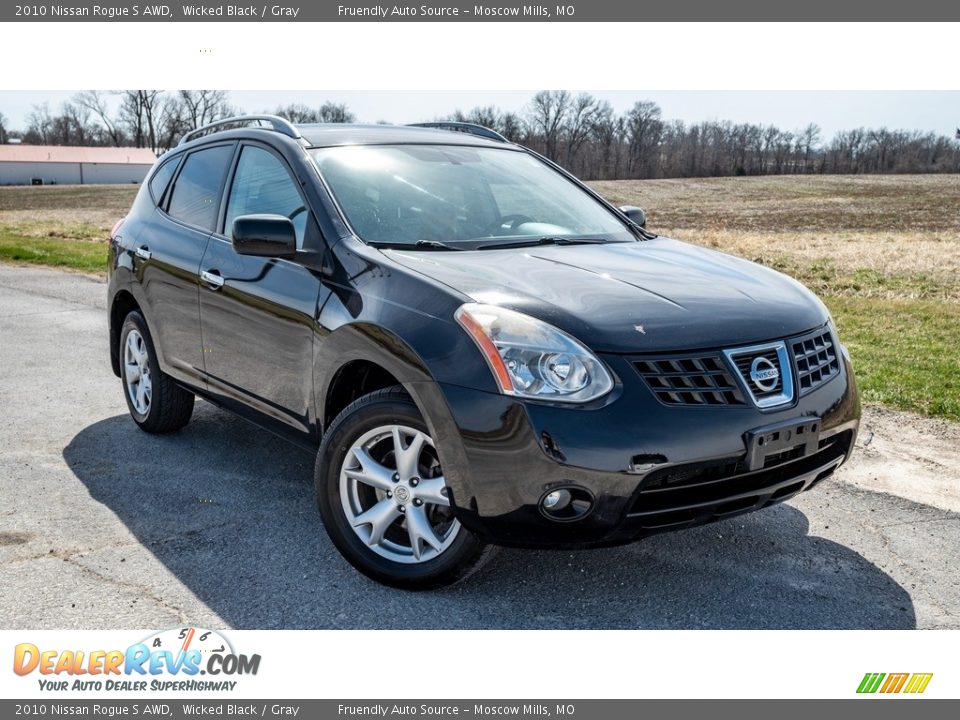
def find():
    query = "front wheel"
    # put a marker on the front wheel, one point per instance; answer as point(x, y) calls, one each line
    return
point(384, 500)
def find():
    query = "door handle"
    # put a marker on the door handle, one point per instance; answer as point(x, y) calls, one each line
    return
point(212, 278)
point(143, 252)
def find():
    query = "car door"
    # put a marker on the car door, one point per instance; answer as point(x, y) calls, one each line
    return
point(258, 314)
point(168, 254)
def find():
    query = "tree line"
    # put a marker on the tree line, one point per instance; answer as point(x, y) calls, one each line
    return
point(584, 134)
point(153, 119)
point(581, 132)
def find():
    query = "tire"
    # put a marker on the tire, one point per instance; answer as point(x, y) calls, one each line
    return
point(158, 405)
point(396, 489)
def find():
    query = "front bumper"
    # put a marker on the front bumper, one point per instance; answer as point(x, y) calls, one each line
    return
point(648, 467)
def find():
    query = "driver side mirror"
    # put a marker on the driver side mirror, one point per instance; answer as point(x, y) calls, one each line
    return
point(264, 236)
point(636, 215)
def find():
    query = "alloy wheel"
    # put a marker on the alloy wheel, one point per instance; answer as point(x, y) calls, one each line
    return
point(395, 497)
point(136, 368)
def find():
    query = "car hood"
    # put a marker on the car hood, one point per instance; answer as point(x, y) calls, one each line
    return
point(649, 296)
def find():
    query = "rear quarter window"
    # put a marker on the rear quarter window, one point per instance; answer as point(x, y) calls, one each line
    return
point(161, 178)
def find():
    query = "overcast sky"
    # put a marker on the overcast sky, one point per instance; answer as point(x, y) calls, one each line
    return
point(832, 110)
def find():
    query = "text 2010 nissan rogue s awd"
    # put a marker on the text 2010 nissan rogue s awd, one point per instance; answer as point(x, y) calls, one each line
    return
point(484, 351)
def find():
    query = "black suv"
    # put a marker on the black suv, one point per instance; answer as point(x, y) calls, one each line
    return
point(480, 349)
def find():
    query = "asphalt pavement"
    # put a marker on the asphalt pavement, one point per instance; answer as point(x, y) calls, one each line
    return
point(104, 526)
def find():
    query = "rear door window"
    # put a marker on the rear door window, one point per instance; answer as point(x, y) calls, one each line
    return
point(196, 191)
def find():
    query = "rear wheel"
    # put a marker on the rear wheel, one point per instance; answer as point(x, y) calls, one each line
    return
point(156, 403)
point(384, 499)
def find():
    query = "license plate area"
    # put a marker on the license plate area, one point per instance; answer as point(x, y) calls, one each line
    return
point(777, 442)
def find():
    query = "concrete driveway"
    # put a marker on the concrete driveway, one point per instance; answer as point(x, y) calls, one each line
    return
point(103, 526)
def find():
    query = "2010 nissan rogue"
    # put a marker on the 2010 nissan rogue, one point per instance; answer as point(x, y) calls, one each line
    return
point(479, 348)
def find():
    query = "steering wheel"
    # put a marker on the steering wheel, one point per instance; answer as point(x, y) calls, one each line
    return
point(296, 212)
point(510, 222)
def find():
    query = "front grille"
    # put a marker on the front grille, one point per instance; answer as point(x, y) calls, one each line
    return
point(816, 360)
point(707, 378)
point(694, 380)
point(744, 363)
point(700, 492)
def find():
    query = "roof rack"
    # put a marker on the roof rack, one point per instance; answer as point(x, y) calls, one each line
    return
point(269, 122)
point(471, 128)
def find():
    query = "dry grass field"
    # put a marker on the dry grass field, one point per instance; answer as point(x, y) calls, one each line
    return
point(61, 225)
point(882, 251)
point(891, 236)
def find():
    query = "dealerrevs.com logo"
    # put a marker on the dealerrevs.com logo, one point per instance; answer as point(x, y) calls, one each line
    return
point(180, 659)
point(890, 683)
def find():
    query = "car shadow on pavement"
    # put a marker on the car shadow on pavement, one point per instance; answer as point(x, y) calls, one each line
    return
point(229, 510)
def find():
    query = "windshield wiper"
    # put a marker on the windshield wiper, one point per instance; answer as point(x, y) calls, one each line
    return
point(546, 240)
point(418, 245)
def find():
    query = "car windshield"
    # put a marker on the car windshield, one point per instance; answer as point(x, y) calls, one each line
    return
point(456, 197)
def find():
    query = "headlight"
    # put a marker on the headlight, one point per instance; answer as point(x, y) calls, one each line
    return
point(532, 359)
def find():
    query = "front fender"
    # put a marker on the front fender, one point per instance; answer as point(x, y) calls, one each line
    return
point(371, 343)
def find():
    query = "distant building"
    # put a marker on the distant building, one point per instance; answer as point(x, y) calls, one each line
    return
point(58, 165)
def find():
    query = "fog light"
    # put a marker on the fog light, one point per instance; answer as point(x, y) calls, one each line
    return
point(566, 503)
point(557, 500)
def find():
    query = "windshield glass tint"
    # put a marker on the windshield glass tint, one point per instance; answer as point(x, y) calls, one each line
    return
point(450, 194)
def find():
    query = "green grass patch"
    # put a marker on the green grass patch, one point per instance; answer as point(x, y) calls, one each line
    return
point(906, 353)
point(57, 199)
point(825, 277)
point(87, 256)
point(47, 229)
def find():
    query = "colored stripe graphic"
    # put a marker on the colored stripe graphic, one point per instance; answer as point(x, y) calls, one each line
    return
point(870, 682)
point(918, 683)
point(894, 683)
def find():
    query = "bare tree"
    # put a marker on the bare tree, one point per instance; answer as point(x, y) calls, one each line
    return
point(512, 127)
point(70, 126)
point(172, 122)
point(201, 107)
point(580, 119)
point(3, 129)
point(488, 116)
point(96, 102)
point(644, 129)
point(331, 112)
point(604, 131)
point(298, 113)
point(547, 114)
point(328, 112)
point(139, 115)
point(39, 125)
point(807, 144)
point(508, 124)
